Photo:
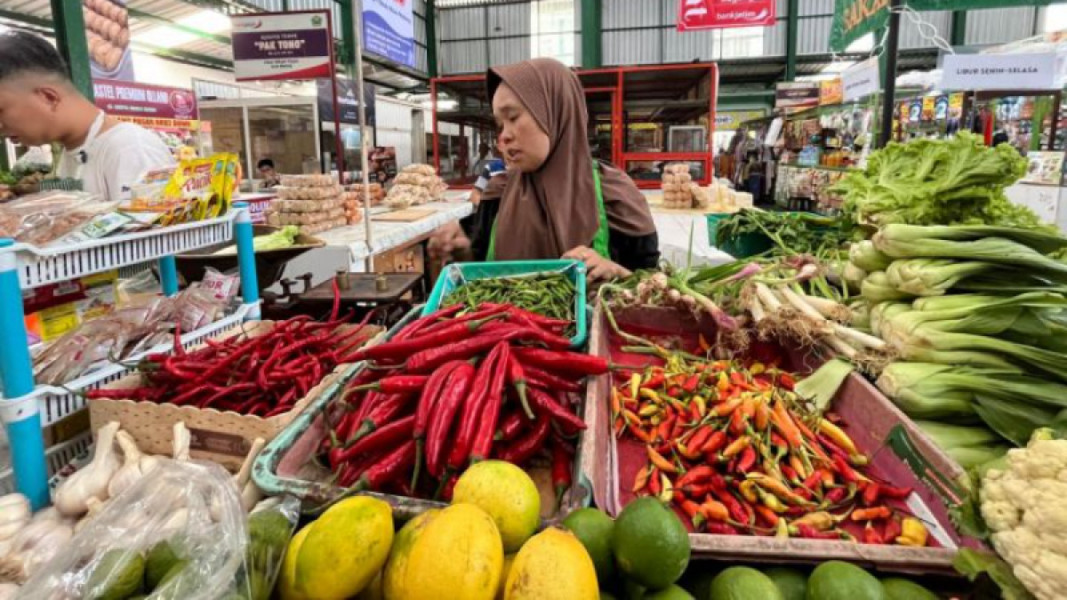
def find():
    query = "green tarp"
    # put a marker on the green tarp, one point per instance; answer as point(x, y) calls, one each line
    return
point(854, 18)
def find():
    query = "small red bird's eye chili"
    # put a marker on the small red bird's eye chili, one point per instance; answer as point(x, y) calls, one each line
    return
point(871, 535)
point(892, 530)
point(808, 532)
point(895, 493)
point(747, 460)
point(719, 528)
point(871, 493)
point(835, 495)
point(844, 470)
point(562, 362)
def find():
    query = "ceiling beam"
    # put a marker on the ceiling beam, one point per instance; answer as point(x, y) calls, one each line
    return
point(194, 58)
point(140, 14)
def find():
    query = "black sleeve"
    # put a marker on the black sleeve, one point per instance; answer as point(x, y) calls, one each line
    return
point(479, 227)
point(635, 252)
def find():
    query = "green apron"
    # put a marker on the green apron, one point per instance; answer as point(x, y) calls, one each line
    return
point(600, 241)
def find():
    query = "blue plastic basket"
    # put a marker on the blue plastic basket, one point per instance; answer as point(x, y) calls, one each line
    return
point(455, 275)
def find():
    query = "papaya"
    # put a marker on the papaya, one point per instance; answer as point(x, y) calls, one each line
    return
point(552, 565)
point(457, 555)
point(346, 547)
point(396, 566)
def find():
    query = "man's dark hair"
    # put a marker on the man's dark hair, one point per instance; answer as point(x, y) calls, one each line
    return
point(22, 52)
point(266, 162)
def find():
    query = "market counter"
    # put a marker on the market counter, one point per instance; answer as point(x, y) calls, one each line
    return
point(674, 227)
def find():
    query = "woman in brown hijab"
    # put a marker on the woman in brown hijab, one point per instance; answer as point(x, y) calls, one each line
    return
point(557, 200)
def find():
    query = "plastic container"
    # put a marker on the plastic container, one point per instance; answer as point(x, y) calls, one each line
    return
point(287, 465)
point(455, 275)
point(742, 246)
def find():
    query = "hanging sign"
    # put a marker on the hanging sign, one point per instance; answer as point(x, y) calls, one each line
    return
point(855, 18)
point(720, 14)
point(282, 46)
point(796, 95)
point(731, 120)
point(830, 92)
point(861, 79)
point(128, 99)
point(1030, 71)
point(389, 30)
point(347, 101)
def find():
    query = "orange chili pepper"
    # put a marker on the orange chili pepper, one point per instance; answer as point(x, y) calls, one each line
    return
point(620, 424)
point(785, 424)
point(653, 482)
point(736, 446)
point(639, 433)
point(870, 514)
point(661, 463)
point(725, 408)
point(713, 510)
point(768, 515)
point(664, 430)
point(692, 510)
point(641, 480)
point(715, 441)
point(616, 405)
point(738, 422)
point(630, 416)
point(694, 412)
point(797, 465)
point(763, 416)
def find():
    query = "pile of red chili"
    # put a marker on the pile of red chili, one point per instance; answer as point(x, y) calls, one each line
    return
point(264, 374)
point(738, 452)
point(452, 388)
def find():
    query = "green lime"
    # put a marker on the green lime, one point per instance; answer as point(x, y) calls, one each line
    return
point(594, 528)
point(671, 592)
point(793, 583)
point(650, 543)
point(743, 583)
point(897, 588)
point(836, 580)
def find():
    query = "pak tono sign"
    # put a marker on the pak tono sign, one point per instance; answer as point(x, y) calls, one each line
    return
point(719, 14)
point(281, 46)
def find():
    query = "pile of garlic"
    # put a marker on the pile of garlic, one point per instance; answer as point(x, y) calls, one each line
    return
point(28, 541)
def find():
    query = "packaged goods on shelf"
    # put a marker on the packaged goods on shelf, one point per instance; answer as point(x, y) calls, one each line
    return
point(107, 31)
point(194, 190)
point(416, 184)
point(46, 217)
point(313, 202)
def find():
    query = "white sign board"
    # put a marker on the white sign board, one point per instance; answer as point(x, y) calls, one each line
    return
point(1030, 71)
point(282, 46)
point(861, 79)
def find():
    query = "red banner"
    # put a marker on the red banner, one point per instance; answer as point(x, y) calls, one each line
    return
point(128, 99)
point(720, 14)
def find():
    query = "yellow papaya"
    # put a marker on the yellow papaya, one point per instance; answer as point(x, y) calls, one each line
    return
point(346, 547)
point(552, 565)
point(396, 566)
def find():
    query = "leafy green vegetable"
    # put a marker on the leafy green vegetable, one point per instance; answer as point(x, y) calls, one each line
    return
point(283, 238)
point(791, 232)
point(974, 564)
point(937, 182)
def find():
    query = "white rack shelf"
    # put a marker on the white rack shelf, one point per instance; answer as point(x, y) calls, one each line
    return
point(57, 402)
point(41, 266)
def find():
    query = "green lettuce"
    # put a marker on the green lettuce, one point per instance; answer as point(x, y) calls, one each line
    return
point(937, 182)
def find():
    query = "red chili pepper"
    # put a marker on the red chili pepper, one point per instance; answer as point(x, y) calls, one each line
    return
point(871, 493)
point(522, 449)
point(789, 473)
point(397, 384)
point(491, 406)
point(510, 426)
point(892, 530)
point(697, 474)
point(541, 320)
point(427, 401)
point(427, 322)
point(653, 482)
point(389, 469)
point(809, 532)
point(835, 495)
point(544, 379)
point(844, 470)
point(388, 409)
point(562, 362)
point(720, 528)
point(766, 516)
point(871, 535)
point(139, 393)
point(546, 405)
point(716, 441)
point(384, 437)
point(471, 413)
point(813, 480)
point(517, 378)
point(654, 381)
point(717, 482)
point(896, 493)
point(747, 460)
point(691, 383)
point(428, 360)
point(456, 391)
point(441, 339)
point(336, 299)
point(561, 471)
point(737, 512)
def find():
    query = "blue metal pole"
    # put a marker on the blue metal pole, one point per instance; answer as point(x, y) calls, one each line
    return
point(168, 274)
point(246, 257)
point(20, 413)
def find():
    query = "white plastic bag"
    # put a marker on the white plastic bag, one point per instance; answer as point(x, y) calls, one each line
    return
point(191, 507)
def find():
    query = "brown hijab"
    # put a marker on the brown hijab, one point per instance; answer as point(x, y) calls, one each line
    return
point(548, 212)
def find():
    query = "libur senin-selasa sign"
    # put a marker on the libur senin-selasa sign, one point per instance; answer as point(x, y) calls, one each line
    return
point(855, 18)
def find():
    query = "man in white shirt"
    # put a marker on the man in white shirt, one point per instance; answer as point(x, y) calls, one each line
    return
point(39, 105)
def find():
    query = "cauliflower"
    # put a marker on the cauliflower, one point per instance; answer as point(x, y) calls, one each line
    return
point(1025, 506)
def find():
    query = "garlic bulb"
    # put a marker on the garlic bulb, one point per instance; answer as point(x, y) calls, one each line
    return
point(92, 480)
point(14, 514)
point(94, 506)
point(33, 546)
point(135, 465)
point(182, 440)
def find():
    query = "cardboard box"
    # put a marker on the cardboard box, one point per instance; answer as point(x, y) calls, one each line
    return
point(879, 429)
point(224, 437)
